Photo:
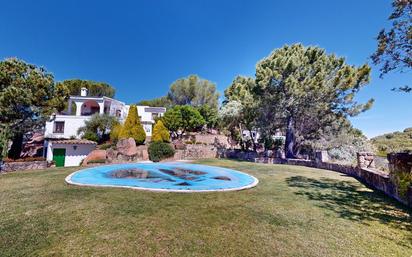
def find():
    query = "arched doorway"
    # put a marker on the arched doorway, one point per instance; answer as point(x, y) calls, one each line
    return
point(90, 107)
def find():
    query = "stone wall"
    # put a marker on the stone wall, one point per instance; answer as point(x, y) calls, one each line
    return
point(400, 165)
point(371, 177)
point(366, 160)
point(18, 166)
point(209, 139)
point(196, 151)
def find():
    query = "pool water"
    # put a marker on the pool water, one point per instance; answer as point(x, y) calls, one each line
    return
point(172, 177)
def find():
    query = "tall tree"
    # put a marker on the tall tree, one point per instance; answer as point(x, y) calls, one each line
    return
point(241, 91)
point(98, 89)
point(28, 96)
point(194, 91)
point(308, 90)
point(163, 101)
point(395, 45)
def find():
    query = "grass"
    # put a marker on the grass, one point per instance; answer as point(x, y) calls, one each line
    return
point(294, 211)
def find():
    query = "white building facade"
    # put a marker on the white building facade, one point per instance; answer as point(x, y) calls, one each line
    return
point(64, 126)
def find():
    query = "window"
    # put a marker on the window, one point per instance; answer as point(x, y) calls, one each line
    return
point(155, 116)
point(59, 127)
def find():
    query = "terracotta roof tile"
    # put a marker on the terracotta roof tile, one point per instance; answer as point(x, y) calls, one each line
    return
point(75, 142)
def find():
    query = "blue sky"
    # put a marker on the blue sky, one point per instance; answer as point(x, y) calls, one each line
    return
point(141, 47)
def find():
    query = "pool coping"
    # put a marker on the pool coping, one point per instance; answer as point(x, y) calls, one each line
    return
point(255, 182)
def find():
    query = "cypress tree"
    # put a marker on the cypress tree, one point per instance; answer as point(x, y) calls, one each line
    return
point(132, 127)
point(160, 133)
point(115, 132)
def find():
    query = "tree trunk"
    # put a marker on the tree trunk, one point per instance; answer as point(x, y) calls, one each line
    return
point(290, 139)
point(253, 140)
point(16, 147)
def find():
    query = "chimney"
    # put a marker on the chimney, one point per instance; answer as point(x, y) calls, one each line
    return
point(83, 91)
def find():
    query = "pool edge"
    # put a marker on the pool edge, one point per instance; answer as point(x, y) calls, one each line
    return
point(254, 184)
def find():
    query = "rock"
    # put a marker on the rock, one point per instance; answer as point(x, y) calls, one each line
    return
point(127, 147)
point(142, 152)
point(127, 151)
point(95, 155)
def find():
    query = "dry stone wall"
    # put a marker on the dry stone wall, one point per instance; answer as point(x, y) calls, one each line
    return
point(371, 177)
point(17, 166)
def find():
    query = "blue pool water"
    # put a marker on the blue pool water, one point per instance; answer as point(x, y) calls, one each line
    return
point(179, 177)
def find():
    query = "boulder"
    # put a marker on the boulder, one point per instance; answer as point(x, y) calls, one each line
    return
point(127, 151)
point(127, 147)
point(142, 153)
point(95, 155)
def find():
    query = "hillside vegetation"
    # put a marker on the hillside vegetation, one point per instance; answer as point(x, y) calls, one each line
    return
point(393, 142)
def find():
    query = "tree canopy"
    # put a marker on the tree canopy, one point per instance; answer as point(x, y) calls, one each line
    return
point(240, 109)
point(303, 90)
point(28, 97)
point(100, 125)
point(98, 89)
point(394, 50)
point(163, 101)
point(209, 114)
point(194, 91)
point(183, 118)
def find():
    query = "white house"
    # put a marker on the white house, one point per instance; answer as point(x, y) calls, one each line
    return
point(63, 144)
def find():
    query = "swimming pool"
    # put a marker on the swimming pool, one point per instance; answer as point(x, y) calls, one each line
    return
point(167, 177)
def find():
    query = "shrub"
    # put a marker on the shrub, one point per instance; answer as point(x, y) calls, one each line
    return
point(115, 132)
point(160, 133)
point(5, 134)
point(402, 181)
point(89, 135)
point(159, 151)
point(97, 161)
point(100, 124)
point(105, 146)
point(132, 127)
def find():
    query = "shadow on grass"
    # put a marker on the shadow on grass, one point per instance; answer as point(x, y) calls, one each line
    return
point(353, 202)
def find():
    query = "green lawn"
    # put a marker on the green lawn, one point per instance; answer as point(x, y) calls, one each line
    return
point(294, 211)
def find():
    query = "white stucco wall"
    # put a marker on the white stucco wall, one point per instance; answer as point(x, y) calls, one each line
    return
point(73, 157)
point(148, 128)
point(71, 125)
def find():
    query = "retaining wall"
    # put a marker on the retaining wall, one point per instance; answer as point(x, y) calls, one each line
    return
point(16, 166)
point(371, 177)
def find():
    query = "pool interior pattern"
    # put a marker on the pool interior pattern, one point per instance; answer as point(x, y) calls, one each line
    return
point(172, 177)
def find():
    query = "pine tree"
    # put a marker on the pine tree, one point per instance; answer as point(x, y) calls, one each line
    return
point(132, 127)
point(304, 90)
point(160, 133)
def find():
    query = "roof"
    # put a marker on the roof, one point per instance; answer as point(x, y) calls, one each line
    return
point(155, 109)
point(75, 142)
